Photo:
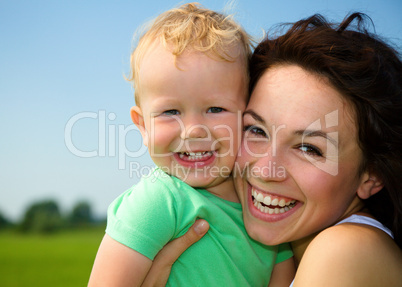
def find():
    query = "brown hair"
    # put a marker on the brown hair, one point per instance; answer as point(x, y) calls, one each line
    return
point(367, 72)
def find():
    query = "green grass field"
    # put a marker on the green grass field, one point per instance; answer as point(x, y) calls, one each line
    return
point(61, 259)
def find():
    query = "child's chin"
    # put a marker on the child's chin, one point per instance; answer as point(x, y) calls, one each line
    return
point(197, 182)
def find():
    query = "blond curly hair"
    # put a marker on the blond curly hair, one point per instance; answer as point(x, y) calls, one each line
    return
point(192, 27)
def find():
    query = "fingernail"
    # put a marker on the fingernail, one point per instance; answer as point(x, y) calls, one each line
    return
point(200, 227)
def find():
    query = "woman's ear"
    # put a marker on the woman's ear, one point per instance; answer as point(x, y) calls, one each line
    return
point(138, 120)
point(370, 185)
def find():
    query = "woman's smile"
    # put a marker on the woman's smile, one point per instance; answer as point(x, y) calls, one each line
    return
point(293, 133)
point(268, 206)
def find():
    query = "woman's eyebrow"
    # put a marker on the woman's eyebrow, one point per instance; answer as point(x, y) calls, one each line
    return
point(316, 133)
point(254, 115)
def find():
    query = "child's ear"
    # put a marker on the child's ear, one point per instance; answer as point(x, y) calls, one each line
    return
point(138, 120)
point(370, 185)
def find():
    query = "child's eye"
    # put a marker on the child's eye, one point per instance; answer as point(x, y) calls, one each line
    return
point(310, 150)
point(254, 130)
point(215, 110)
point(171, 113)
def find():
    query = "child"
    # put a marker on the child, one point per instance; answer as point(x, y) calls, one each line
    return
point(190, 78)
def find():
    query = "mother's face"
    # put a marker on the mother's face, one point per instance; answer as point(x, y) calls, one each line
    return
point(300, 158)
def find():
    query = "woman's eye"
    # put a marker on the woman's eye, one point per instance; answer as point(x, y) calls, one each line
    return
point(255, 131)
point(311, 150)
point(171, 113)
point(215, 110)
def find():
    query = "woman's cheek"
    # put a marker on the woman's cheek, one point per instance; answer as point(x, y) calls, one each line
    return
point(251, 150)
point(243, 157)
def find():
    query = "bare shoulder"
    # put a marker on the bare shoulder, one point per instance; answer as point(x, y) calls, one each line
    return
point(351, 255)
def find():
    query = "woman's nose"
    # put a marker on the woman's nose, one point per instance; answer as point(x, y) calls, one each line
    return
point(269, 166)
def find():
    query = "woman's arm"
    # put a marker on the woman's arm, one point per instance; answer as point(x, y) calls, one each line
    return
point(118, 265)
point(162, 264)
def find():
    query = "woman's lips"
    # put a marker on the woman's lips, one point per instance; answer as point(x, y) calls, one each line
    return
point(271, 204)
point(269, 207)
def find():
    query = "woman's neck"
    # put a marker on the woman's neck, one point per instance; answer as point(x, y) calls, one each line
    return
point(299, 246)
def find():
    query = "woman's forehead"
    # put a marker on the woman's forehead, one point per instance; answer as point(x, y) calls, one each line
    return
point(289, 95)
point(289, 89)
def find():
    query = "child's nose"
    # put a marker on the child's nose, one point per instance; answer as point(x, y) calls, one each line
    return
point(193, 131)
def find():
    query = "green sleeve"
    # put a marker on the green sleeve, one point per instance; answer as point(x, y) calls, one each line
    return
point(143, 218)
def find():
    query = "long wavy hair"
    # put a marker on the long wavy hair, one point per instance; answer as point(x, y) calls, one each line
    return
point(368, 73)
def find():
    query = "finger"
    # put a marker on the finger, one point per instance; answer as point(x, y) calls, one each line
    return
point(175, 248)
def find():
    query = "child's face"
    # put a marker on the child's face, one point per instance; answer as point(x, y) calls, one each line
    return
point(191, 114)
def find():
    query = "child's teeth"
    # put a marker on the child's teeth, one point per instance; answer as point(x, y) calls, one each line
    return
point(195, 155)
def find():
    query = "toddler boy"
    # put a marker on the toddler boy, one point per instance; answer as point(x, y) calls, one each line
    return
point(190, 78)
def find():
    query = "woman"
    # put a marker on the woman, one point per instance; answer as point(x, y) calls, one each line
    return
point(323, 134)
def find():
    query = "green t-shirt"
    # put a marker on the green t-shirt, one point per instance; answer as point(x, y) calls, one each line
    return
point(161, 208)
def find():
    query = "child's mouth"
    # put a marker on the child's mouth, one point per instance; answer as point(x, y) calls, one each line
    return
point(196, 159)
point(195, 156)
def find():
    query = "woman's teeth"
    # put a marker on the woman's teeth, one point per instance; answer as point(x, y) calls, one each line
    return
point(270, 205)
point(195, 155)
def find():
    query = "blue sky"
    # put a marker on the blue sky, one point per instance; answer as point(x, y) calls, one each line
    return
point(61, 69)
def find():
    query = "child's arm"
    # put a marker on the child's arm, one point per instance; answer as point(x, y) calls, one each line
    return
point(283, 274)
point(137, 228)
point(118, 265)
